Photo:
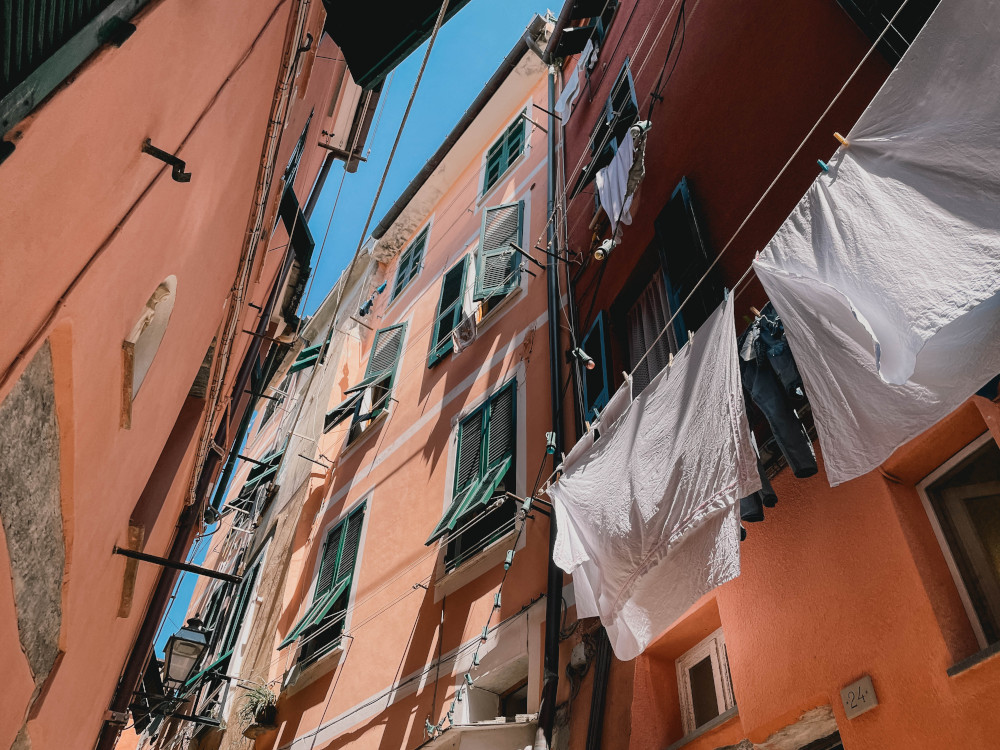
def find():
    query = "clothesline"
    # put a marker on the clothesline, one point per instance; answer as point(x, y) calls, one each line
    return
point(770, 187)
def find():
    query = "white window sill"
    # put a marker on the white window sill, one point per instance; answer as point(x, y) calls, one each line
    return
point(299, 677)
point(723, 718)
point(448, 582)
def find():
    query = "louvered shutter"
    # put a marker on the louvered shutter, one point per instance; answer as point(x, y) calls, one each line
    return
point(409, 264)
point(349, 553)
point(498, 264)
point(449, 310)
point(470, 438)
point(328, 565)
point(500, 432)
point(385, 352)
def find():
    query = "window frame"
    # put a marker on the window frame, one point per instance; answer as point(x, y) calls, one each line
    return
point(412, 271)
point(441, 348)
point(942, 539)
point(503, 142)
point(599, 351)
point(714, 647)
point(464, 493)
point(603, 126)
point(356, 429)
point(339, 527)
point(490, 301)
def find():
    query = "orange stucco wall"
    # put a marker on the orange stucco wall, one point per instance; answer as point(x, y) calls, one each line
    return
point(403, 466)
point(90, 227)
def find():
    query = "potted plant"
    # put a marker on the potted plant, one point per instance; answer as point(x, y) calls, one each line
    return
point(258, 711)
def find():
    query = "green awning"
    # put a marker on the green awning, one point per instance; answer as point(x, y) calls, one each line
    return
point(479, 493)
point(315, 614)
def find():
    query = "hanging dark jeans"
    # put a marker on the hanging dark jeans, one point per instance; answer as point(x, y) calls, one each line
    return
point(752, 506)
point(769, 378)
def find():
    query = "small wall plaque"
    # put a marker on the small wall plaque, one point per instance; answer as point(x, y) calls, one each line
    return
point(858, 697)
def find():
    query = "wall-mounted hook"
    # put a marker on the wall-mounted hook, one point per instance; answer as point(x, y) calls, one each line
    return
point(178, 174)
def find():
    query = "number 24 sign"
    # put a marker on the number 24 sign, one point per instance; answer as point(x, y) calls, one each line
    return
point(858, 697)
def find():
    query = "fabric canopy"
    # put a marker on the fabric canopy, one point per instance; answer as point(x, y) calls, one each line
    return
point(647, 513)
point(887, 273)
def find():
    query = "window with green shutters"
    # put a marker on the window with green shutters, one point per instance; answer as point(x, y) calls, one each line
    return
point(449, 310)
point(409, 263)
point(322, 624)
point(380, 374)
point(484, 469)
point(498, 265)
point(260, 476)
point(504, 152)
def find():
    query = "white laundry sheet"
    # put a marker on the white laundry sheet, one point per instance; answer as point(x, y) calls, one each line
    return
point(612, 184)
point(887, 274)
point(647, 514)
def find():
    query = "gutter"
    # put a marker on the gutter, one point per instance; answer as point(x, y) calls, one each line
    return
point(492, 86)
point(562, 23)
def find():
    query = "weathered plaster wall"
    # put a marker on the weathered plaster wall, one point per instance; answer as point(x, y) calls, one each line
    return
point(31, 512)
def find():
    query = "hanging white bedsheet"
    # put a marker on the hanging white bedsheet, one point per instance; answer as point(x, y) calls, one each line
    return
point(887, 274)
point(647, 514)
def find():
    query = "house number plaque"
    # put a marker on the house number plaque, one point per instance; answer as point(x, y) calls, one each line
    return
point(859, 697)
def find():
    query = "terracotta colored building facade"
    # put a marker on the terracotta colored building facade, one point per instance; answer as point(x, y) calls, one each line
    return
point(153, 154)
point(392, 474)
point(871, 580)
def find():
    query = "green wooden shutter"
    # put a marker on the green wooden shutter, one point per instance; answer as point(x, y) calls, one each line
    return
point(468, 461)
point(409, 264)
point(500, 429)
point(352, 540)
point(497, 263)
point(240, 605)
point(385, 352)
point(449, 311)
point(328, 563)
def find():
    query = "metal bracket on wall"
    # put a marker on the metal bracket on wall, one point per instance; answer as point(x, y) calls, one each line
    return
point(178, 174)
point(177, 565)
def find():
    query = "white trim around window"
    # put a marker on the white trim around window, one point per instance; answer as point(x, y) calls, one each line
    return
point(712, 648)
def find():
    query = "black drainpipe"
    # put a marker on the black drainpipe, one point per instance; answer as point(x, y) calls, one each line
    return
point(553, 597)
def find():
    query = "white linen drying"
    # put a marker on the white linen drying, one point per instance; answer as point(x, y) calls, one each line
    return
point(612, 184)
point(887, 274)
point(647, 514)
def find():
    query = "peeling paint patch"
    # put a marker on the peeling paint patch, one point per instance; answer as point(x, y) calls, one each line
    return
point(31, 512)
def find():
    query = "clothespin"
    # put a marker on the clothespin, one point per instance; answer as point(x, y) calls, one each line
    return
point(429, 728)
point(725, 294)
point(823, 165)
point(690, 337)
point(468, 679)
point(509, 559)
point(843, 141)
point(755, 312)
point(670, 359)
point(475, 659)
point(486, 634)
point(458, 697)
point(496, 601)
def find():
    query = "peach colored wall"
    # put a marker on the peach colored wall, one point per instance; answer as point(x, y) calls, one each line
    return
point(91, 226)
point(404, 463)
point(836, 583)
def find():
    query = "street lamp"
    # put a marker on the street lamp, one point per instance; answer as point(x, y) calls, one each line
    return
point(184, 649)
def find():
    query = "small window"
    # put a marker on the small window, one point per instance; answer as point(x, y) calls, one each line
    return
point(322, 624)
point(370, 398)
point(621, 111)
point(874, 15)
point(253, 495)
point(410, 261)
point(703, 682)
point(504, 152)
point(484, 469)
point(498, 264)
point(449, 310)
point(275, 399)
point(963, 497)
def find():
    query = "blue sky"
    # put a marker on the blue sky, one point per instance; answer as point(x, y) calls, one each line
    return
point(468, 50)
